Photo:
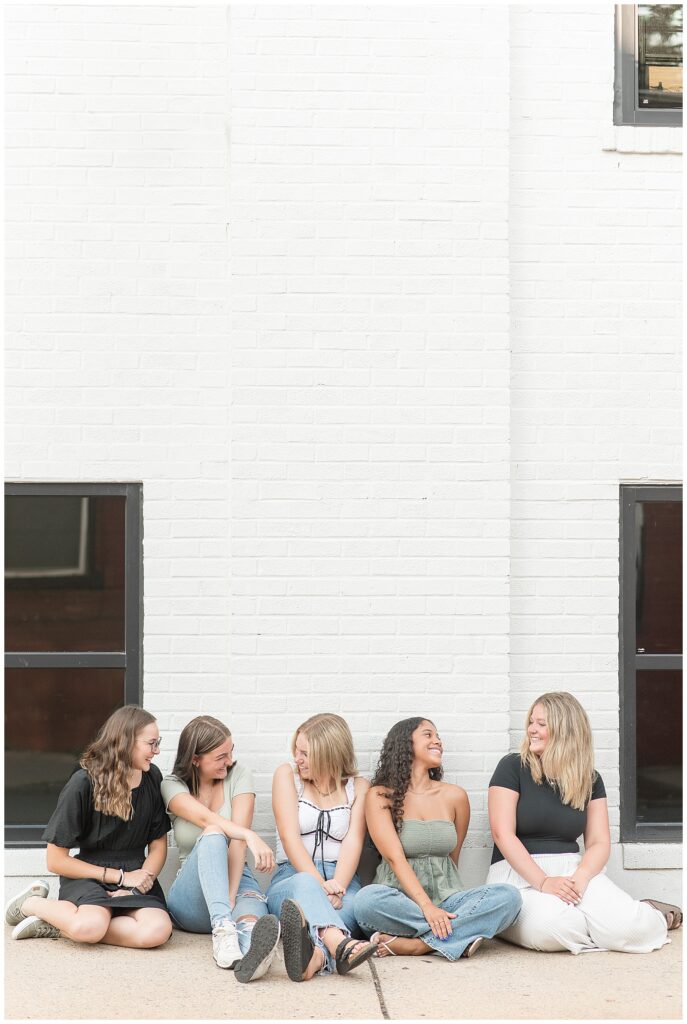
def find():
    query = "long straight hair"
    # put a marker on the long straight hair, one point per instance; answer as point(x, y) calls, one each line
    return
point(200, 736)
point(568, 759)
point(108, 760)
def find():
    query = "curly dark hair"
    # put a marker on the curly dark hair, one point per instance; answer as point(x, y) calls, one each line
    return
point(395, 763)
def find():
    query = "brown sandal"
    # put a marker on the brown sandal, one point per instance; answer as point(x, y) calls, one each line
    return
point(672, 914)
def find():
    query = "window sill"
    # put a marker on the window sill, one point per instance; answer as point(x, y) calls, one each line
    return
point(641, 139)
point(640, 856)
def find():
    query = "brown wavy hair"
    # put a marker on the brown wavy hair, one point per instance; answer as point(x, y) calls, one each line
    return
point(395, 765)
point(202, 734)
point(108, 760)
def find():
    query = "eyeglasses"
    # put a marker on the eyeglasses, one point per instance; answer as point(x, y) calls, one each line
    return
point(154, 744)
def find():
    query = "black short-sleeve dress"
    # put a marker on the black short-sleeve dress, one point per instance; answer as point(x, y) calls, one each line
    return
point(108, 841)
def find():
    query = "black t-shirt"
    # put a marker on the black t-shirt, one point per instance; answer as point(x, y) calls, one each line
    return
point(543, 823)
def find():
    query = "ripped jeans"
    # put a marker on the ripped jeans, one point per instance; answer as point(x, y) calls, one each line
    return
point(304, 888)
point(199, 895)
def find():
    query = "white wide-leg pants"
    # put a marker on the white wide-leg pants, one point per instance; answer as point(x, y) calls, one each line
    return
point(605, 918)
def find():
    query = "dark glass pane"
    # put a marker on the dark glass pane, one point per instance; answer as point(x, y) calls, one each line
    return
point(50, 716)
point(64, 573)
point(659, 746)
point(659, 68)
point(659, 577)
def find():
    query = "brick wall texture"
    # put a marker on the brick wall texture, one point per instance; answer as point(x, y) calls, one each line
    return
point(361, 298)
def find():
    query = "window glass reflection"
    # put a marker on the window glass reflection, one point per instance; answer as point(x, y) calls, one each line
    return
point(659, 67)
point(50, 716)
point(64, 573)
point(659, 746)
point(658, 527)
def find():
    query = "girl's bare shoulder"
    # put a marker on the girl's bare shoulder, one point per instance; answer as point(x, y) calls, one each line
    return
point(455, 793)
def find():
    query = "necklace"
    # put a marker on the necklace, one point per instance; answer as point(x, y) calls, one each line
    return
point(320, 791)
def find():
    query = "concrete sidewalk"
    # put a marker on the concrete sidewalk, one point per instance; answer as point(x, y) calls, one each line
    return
point(48, 978)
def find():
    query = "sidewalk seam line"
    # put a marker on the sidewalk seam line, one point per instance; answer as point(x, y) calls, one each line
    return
point(378, 990)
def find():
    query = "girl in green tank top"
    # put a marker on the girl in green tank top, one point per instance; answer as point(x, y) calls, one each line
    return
point(417, 903)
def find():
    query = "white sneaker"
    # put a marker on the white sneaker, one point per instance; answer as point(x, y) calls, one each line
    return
point(225, 944)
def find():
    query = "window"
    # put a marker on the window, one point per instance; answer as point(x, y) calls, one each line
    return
point(72, 634)
point(651, 663)
point(648, 64)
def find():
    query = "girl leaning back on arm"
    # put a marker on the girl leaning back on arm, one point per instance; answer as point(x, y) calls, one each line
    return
point(211, 798)
point(541, 800)
point(112, 810)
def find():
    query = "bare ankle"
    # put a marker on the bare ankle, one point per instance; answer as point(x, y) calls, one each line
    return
point(317, 961)
point(331, 936)
point(31, 906)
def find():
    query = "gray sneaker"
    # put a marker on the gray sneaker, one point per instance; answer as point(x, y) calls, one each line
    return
point(34, 928)
point(263, 946)
point(13, 914)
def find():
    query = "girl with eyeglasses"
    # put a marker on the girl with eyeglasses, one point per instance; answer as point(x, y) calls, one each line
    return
point(112, 810)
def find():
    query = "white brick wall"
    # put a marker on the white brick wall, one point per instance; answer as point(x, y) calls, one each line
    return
point(260, 261)
point(595, 389)
point(117, 301)
point(370, 378)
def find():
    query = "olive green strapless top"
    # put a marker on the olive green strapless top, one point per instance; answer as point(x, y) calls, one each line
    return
point(427, 845)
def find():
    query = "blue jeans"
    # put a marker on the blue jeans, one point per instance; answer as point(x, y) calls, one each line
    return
point(484, 911)
point(199, 896)
point(287, 883)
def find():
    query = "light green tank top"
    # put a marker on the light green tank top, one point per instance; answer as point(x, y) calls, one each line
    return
point(427, 846)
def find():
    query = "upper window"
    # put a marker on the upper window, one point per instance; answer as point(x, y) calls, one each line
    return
point(648, 64)
point(651, 663)
point(72, 634)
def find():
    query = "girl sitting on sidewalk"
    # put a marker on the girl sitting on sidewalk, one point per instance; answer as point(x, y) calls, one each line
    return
point(417, 904)
point(540, 801)
point(210, 799)
point(319, 810)
point(112, 810)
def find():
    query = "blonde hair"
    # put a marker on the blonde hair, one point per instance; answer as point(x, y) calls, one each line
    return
point(200, 736)
point(568, 759)
point(330, 747)
point(108, 760)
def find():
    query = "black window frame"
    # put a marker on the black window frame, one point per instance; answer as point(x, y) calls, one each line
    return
point(632, 831)
point(131, 658)
point(625, 108)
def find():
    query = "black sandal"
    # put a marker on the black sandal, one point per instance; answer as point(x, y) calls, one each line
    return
point(347, 960)
point(672, 914)
point(298, 946)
